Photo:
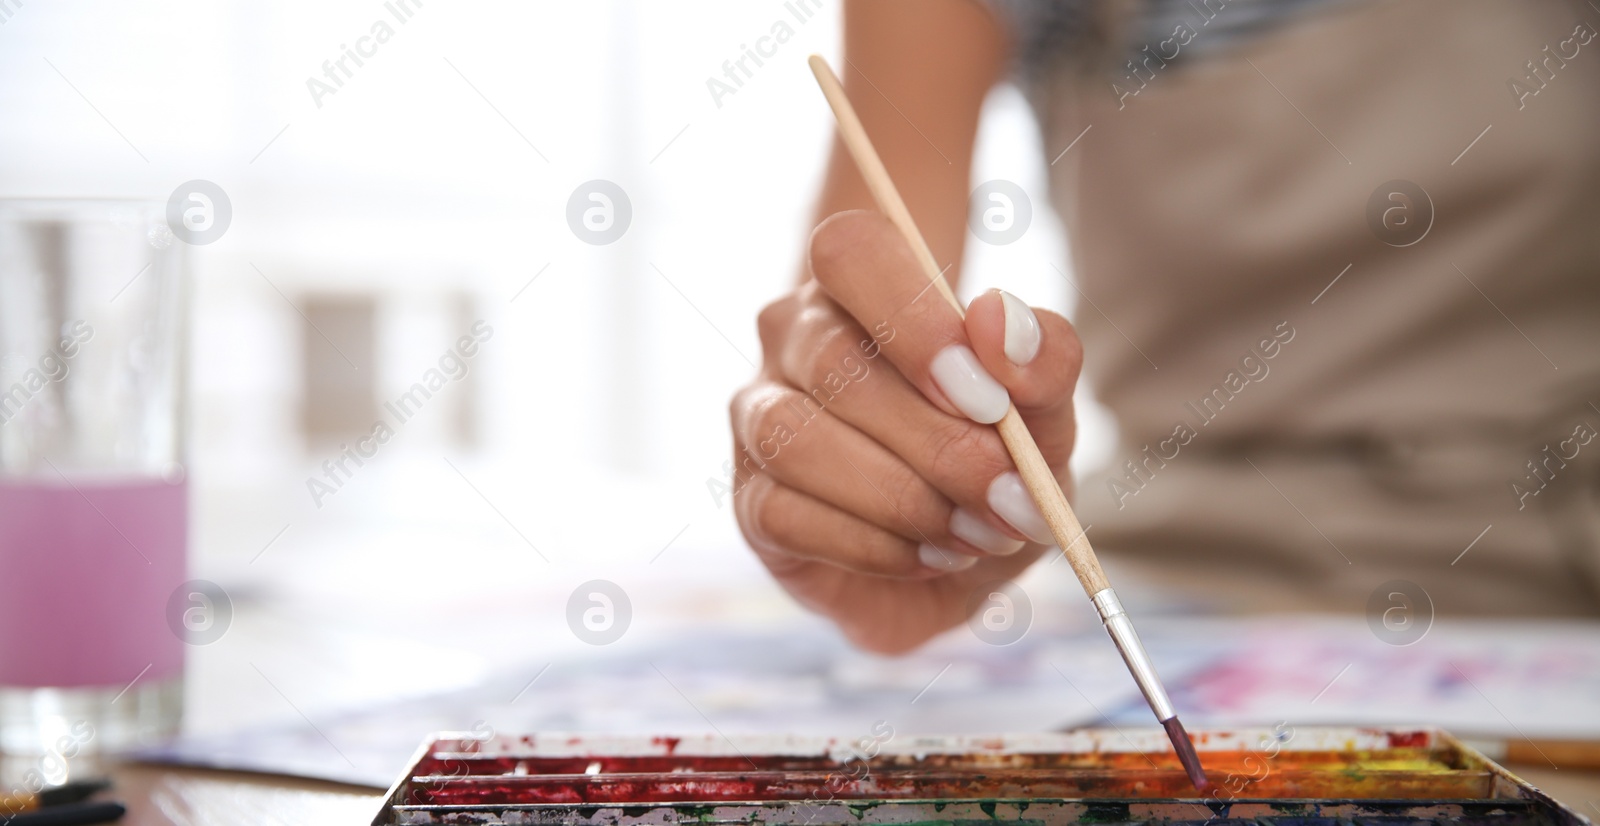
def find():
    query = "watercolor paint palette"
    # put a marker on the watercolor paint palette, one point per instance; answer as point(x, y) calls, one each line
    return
point(1264, 777)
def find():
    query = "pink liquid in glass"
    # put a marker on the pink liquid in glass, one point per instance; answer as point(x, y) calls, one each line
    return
point(85, 575)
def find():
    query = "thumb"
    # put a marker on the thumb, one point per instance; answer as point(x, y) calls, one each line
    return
point(1036, 355)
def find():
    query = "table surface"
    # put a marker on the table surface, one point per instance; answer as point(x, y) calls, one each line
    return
point(323, 662)
point(191, 797)
point(162, 795)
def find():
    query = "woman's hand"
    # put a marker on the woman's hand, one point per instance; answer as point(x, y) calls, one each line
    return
point(870, 479)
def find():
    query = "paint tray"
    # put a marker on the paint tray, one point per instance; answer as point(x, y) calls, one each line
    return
point(1282, 776)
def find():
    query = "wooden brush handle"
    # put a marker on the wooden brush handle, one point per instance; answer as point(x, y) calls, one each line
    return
point(1052, 502)
point(1036, 475)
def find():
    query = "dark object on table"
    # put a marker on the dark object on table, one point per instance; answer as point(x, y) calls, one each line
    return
point(53, 796)
point(75, 792)
point(70, 814)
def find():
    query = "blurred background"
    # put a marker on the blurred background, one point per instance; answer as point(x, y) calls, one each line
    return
point(432, 402)
point(425, 198)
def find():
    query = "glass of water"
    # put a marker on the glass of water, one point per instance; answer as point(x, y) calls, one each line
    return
point(93, 498)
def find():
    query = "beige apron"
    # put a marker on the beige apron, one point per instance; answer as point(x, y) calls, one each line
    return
point(1400, 405)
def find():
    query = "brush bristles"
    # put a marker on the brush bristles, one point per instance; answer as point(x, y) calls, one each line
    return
point(1186, 754)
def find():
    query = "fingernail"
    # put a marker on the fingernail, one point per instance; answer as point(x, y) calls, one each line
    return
point(969, 387)
point(1010, 499)
point(1022, 330)
point(972, 528)
point(944, 560)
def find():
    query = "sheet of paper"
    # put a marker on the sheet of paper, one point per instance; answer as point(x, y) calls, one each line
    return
point(1500, 678)
point(802, 679)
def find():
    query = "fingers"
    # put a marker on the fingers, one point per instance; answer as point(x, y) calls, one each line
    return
point(779, 520)
point(827, 459)
point(1035, 354)
point(862, 262)
point(971, 371)
point(869, 480)
point(788, 526)
point(837, 367)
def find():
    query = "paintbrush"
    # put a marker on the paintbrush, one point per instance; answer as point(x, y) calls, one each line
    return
point(1041, 483)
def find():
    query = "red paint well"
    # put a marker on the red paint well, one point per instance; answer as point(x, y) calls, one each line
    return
point(1408, 739)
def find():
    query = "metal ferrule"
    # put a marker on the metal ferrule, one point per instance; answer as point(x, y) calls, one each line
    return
point(1127, 640)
